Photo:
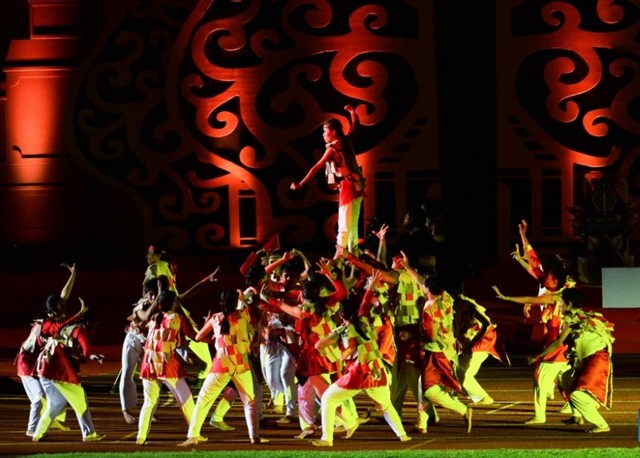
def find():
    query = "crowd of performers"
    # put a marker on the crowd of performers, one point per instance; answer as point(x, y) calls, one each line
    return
point(317, 334)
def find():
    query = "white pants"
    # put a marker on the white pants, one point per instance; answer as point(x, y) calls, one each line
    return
point(309, 396)
point(441, 397)
point(230, 394)
point(348, 217)
point(587, 406)
point(280, 374)
point(151, 389)
point(335, 396)
point(132, 351)
point(58, 394)
point(544, 386)
point(212, 386)
point(468, 367)
point(38, 401)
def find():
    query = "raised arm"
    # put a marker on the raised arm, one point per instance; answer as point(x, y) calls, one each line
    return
point(354, 120)
point(271, 267)
point(206, 329)
point(366, 303)
point(83, 309)
point(419, 279)
point(528, 258)
point(382, 243)
point(340, 291)
point(66, 290)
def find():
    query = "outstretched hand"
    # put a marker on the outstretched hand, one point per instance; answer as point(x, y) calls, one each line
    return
point(522, 227)
point(382, 233)
point(71, 267)
point(97, 357)
point(209, 315)
point(498, 293)
point(324, 266)
point(516, 253)
point(212, 276)
point(83, 307)
point(376, 277)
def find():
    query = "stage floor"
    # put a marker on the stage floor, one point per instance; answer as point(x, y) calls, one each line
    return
point(496, 426)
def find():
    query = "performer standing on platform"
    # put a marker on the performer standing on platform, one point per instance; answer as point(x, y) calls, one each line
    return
point(340, 164)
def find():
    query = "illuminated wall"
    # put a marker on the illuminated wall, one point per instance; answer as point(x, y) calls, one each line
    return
point(204, 112)
point(198, 114)
point(40, 203)
point(568, 107)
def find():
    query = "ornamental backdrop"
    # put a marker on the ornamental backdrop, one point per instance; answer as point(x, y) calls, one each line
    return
point(568, 125)
point(204, 112)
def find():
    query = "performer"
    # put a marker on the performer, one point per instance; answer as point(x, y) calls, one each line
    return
point(160, 263)
point(440, 355)
point(549, 370)
point(232, 331)
point(58, 367)
point(315, 320)
point(591, 340)
point(339, 159)
point(133, 345)
point(160, 365)
point(477, 339)
point(364, 371)
point(30, 349)
point(552, 278)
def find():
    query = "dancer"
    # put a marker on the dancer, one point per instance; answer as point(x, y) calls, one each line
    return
point(339, 159)
point(160, 263)
point(364, 371)
point(591, 340)
point(232, 332)
point(30, 349)
point(402, 295)
point(589, 384)
point(58, 367)
point(315, 320)
point(255, 275)
point(477, 339)
point(133, 345)
point(279, 339)
point(440, 354)
point(160, 365)
point(552, 278)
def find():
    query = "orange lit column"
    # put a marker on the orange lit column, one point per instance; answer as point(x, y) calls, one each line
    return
point(39, 177)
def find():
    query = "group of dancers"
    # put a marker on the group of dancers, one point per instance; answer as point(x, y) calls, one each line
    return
point(319, 333)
